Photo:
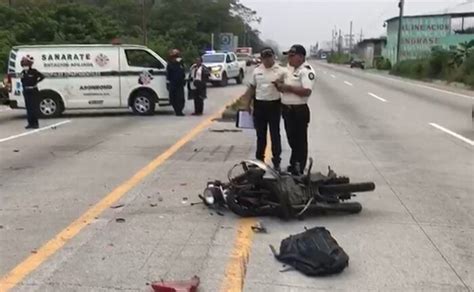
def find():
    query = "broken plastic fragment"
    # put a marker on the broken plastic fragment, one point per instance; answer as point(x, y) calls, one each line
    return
point(176, 286)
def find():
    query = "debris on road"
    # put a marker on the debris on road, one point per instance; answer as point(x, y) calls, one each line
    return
point(117, 206)
point(184, 200)
point(34, 251)
point(259, 228)
point(120, 220)
point(16, 150)
point(153, 205)
point(225, 131)
point(177, 286)
point(183, 184)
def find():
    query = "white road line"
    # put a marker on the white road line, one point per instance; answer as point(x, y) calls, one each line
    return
point(333, 76)
point(377, 97)
point(462, 138)
point(348, 83)
point(425, 86)
point(34, 131)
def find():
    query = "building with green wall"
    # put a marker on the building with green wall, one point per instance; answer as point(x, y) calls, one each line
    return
point(421, 33)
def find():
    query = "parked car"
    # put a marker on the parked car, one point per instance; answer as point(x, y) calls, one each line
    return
point(92, 77)
point(224, 66)
point(357, 64)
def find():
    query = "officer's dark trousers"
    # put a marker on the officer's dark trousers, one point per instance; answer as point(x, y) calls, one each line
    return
point(177, 98)
point(32, 105)
point(296, 119)
point(199, 96)
point(268, 114)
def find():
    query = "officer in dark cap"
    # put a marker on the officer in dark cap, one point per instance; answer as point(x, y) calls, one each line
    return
point(29, 80)
point(266, 104)
point(177, 80)
point(296, 89)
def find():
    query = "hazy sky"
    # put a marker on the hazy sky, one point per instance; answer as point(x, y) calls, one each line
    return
point(310, 21)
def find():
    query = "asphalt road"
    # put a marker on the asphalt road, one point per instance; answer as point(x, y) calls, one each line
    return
point(415, 232)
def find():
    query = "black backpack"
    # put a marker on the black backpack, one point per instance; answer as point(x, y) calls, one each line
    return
point(314, 252)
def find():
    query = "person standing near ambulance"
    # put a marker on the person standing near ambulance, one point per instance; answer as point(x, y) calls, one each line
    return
point(29, 80)
point(175, 73)
point(267, 104)
point(296, 89)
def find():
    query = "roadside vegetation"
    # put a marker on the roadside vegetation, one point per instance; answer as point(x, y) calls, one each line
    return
point(183, 24)
point(448, 65)
point(339, 58)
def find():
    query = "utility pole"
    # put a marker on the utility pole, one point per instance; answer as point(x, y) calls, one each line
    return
point(332, 40)
point(212, 41)
point(340, 41)
point(350, 39)
point(144, 25)
point(401, 4)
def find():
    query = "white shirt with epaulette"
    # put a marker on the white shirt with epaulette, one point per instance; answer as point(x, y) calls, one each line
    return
point(262, 79)
point(303, 76)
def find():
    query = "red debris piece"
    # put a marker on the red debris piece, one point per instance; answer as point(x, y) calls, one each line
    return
point(176, 286)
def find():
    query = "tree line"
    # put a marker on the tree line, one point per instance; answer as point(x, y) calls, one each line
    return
point(162, 24)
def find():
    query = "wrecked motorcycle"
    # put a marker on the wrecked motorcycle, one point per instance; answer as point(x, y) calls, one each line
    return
point(259, 190)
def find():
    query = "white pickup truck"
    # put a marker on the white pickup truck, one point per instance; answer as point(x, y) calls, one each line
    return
point(224, 66)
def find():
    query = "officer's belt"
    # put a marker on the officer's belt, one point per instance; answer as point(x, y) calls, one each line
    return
point(295, 105)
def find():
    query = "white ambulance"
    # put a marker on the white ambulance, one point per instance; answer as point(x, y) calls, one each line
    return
point(92, 77)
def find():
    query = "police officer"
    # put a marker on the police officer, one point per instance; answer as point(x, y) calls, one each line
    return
point(267, 104)
point(176, 78)
point(29, 79)
point(198, 77)
point(297, 87)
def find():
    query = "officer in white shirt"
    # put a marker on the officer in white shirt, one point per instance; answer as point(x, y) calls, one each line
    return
point(197, 88)
point(297, 87)
point(263, 92)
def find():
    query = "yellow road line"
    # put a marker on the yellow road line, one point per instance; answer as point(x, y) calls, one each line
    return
point(236, 269)
point(12, 278)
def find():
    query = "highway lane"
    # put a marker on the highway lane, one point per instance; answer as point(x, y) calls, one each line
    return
point(449, 107)
point(49, 178)
point(416, 229)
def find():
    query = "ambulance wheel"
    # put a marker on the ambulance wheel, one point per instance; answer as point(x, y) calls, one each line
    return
point(143, 104)
point(240, 78)
point(224, 80)
point(50, 104)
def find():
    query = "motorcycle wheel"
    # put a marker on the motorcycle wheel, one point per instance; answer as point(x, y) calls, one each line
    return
point(243, 211)
point(351, 207)
point(346, 188)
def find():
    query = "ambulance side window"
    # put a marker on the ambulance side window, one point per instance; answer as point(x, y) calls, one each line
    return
point(142, 59)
